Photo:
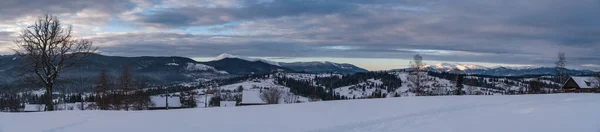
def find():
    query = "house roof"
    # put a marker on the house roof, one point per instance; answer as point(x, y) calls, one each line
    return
point(251, 97)
point(586, 82)
point(160, 101)
point(34, 107)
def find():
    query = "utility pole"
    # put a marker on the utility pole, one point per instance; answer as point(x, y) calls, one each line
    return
point(167, 97)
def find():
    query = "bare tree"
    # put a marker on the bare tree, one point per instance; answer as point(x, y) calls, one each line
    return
point(417, 76)
point(101, 90)
point(126, 87)
point(560, 68)
point(47, 49)
point(139, 98)
point(289, 98)
point(535, 86)
point(272, 95)
point(188, 99)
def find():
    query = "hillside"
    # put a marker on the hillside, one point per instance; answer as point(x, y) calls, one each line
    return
point(155, 70)
point(519, 113)
point(244, 67)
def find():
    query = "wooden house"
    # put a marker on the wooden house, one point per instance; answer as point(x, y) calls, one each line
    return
point(577, 84)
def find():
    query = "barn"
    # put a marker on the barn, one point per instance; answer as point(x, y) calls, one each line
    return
point(577, 84)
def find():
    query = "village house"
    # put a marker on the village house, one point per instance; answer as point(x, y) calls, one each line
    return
point(34, 107)
point(576, 84)
point(161, 102)
point(251, 97)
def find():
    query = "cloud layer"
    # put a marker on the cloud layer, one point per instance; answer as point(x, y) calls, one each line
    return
point(494, 31)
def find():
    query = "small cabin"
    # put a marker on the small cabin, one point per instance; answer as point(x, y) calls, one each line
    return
point(251, 97)
point(577, 84)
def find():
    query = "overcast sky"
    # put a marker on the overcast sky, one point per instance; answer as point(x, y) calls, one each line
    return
point(368, 33)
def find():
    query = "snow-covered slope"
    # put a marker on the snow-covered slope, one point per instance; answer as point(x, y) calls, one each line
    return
point(522, 113)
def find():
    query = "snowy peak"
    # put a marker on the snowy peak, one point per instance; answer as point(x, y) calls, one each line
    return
point(323, 67)
point(454, 66)
point(226, 55)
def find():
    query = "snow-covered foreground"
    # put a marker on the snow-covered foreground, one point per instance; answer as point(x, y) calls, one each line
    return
point(519, 113)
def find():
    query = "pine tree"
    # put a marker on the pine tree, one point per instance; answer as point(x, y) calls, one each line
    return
point(102, 89)
point(459, 84)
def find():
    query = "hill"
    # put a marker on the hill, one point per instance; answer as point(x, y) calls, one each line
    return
point(520, 113)
point(156, 70)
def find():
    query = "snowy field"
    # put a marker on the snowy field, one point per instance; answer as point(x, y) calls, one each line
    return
point(519, 113)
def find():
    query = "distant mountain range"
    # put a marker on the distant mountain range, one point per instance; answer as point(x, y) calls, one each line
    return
point(152, 69)
point(253, 65)
point(501, 71)
point(166, 70)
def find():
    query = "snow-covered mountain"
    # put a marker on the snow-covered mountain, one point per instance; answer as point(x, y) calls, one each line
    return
point(310, 67)
point(323, 67)
point(500, 70)
point(454, 66)
point(226, 55)
point(241, 66)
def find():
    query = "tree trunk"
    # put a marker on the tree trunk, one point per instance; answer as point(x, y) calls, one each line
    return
point(49, 102)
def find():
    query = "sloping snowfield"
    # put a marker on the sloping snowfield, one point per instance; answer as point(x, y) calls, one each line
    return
point(520, 113)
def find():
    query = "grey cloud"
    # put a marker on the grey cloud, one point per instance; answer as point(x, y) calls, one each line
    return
point(498, 31)
point(13, 9)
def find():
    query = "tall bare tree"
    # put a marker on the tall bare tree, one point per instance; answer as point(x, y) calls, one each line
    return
point(417, 63)
point(126, 87)
point(560, 68)
point(48, 48)
point(101, 90)
point(417, 75)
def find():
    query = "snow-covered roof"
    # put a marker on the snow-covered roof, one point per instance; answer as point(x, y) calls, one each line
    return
point(586, 82)
point(227, 103)
point(34, 107)
point(251, 97)
point(160, 101)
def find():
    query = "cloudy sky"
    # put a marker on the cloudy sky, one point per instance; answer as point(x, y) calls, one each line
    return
point(375, 34)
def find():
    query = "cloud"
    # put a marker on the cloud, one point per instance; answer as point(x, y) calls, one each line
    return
point(495, 31)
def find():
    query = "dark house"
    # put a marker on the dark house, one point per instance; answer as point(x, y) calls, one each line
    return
point(582, 84)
